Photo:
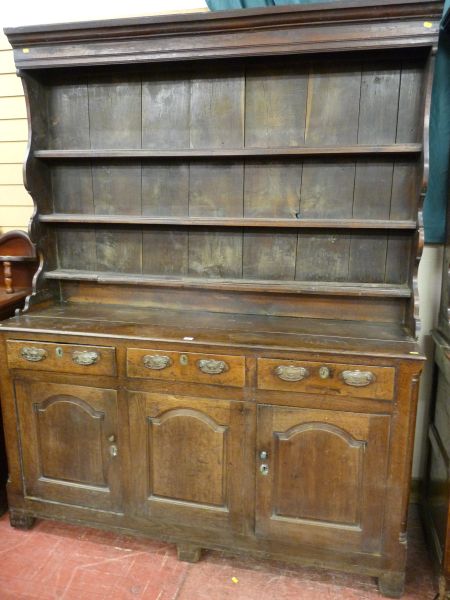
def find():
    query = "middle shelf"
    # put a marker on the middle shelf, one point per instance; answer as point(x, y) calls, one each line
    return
point(299, 223)
point(211, 153)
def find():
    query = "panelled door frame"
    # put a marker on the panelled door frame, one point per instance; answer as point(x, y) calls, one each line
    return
point(96, 406)
point(226, 423)
point(364, 433)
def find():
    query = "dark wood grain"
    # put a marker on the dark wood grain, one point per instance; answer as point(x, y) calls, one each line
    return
point(229, 222)
point(115, 113)
point(106, 152)
point(219, 345)
point(215, 277)
point(275, 108)
point(165, 113)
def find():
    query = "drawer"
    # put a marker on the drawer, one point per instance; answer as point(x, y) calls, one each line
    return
point(327, 378)
point(216, 369)
point(64, 358)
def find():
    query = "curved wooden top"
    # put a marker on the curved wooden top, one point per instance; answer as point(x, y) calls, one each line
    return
point(16, 245)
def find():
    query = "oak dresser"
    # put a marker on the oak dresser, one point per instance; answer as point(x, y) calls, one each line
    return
point(219, 349)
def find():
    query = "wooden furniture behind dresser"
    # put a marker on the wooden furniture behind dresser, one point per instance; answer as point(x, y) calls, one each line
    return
point(220, 346)
point(18, 262)
point(436, 496)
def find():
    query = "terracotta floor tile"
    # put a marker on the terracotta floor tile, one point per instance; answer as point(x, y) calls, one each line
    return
point(55, 561)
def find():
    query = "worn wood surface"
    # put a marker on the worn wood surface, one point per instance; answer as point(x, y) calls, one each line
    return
point(224, 314)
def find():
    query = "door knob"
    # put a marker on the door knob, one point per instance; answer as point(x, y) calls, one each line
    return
point(264, 469)
point(263, 455)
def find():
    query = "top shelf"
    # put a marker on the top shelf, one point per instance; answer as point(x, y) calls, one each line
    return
point(357, 149)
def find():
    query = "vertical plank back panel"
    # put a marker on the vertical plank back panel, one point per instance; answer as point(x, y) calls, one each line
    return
point(76, 248)
point(378, 104)
point(215, 253)
point(72, 188)
point(119, 249)
point(117, 188)
point(165, 190)
point(327, 189)
point(380, 84)
point(269, 255)
point(275, 107)
point(398, 258)
point(216, 189)
point(217, 112)
point(165, 113)
point(410, 102)
point(68, 115)
point(405, 192)
point(272, 189)
point(333, 105)
point(217, 121)
point(322, 256)
point(165, 251)
point(115, 117)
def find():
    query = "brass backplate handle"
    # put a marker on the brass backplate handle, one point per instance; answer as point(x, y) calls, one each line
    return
point(358, 378)
point(212, 367)
point(85, 357)
point(156, 362)
point(33, 354)
point(291, 373)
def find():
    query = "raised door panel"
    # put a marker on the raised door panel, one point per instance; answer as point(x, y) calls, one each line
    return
point(323, 479)
point(190, 463)
point(69, 443)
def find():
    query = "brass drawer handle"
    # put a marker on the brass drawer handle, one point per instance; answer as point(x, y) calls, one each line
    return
point(156, 362)
point(33, 354)
point(212, 367)
point(358, 378)
point(291, 373)
point(84, 357)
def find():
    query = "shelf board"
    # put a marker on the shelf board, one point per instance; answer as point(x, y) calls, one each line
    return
point(228, 222)
point(356, 149)
point(242, 285)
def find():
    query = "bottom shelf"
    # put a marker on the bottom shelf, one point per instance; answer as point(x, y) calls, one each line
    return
point(384, 290)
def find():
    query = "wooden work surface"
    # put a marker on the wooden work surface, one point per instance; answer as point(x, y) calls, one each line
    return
point(325, 335)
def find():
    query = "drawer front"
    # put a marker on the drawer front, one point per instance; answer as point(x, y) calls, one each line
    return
point(65, 358)
point(214, 369)
point(327, 378)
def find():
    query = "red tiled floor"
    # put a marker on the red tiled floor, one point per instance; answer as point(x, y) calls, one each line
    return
point(55, 561)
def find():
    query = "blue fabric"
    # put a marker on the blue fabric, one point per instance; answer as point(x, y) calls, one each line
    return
point(231, 4)
point(434, 211)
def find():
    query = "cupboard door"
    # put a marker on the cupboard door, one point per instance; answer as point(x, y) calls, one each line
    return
point(322, 482)
point(69, 444)
point(191, 460)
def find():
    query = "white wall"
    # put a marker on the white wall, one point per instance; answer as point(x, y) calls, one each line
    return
point(430, 278)
point(49, 11)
